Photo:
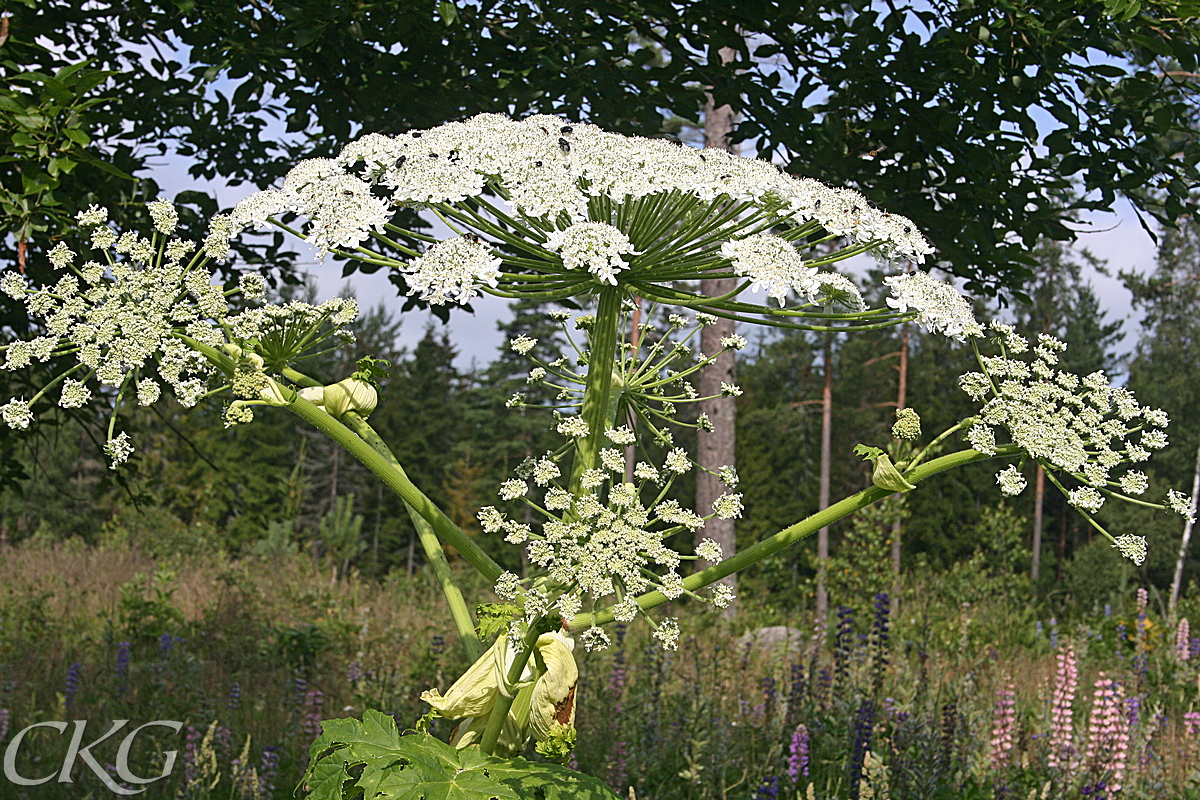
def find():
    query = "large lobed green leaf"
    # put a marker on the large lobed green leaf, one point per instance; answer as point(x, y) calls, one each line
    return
point(369, 759)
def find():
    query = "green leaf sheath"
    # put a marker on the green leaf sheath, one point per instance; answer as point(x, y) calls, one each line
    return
point(795, 533)
point(504, 700)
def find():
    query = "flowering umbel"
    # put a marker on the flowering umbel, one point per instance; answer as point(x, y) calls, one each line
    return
point(146, 316)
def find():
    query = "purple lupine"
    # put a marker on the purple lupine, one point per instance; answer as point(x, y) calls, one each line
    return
point(879, 638)
point(3, 723)
point(1194, 647)
point(768, 789)
point(191, 746)
point(235, 694)
point(1107, 610)
point(1053, 633)
point(438, 644)
point(798, 754)
point(1120, 640)
point(842, 643)
point(353, 672)
point(268, 768)
point(1037, 627)
point(122, 666)
point(299, 690)
point(311, 723)
point(72, 685)
point(860, 743)
point(1133, 711)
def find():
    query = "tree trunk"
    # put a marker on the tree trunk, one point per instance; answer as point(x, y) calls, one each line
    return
point(1177, 581)
point(716, 449)
point(1039, 498)
point(823, 491)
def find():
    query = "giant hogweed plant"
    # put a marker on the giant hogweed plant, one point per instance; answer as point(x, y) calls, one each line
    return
point(555, 211)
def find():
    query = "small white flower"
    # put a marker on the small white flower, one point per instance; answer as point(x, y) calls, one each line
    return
point(594, 639)
point(622, 435)
point(728, 506)
point(74, 394)
point(545, 471)
point(734, 342)
point(1134, 482)
point(677, 461)
point(730, 390)
point(772, 264)
point(592, 478)
point(1154, 439)
point(1011, 481)
point(646, 472)
point(573, 426)
point(722, 595)
point(164, 216)
point(507, 586)
point(118, 449)
point(148, 392)
point(940, 307)
point(522, 344)
point(668, 633)
point(983, 439)
point(61, 256)
point(1086, 498)
point(490, 519)
point(16, 414)
point(14, 285)
point(1181, 504)
point(612, 460)
point(513, 488)
point(95, 215)
point(710, 551)
point(252, 286)
point(536, 375)
point(453, 270)
point(728, 476)
point(1132, 547)
point(975, 384)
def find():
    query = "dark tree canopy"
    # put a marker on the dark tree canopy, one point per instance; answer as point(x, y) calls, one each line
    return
point(931, 109)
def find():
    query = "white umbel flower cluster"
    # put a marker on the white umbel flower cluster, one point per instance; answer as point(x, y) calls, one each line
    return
point(452, 271)
point(773, 265)
point(1080, 426)
point(595, 246)
point(940, 307)
point(553, 173)
point(604, 540)
point(153, 319)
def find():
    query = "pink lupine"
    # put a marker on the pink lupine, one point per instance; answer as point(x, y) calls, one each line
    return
point(1191, 724)
point(1062, 727)
point(1183, 640)
point(1143, 598)
point(1004, 725)
point(1108, 733)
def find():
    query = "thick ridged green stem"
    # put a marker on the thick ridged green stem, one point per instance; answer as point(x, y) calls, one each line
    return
point(398, 482)
point(429, 543)
point(504, 700)
point(597, 395)
point(794, 533)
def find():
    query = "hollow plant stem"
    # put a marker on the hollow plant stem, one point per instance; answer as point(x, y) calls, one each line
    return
point(429, 543)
